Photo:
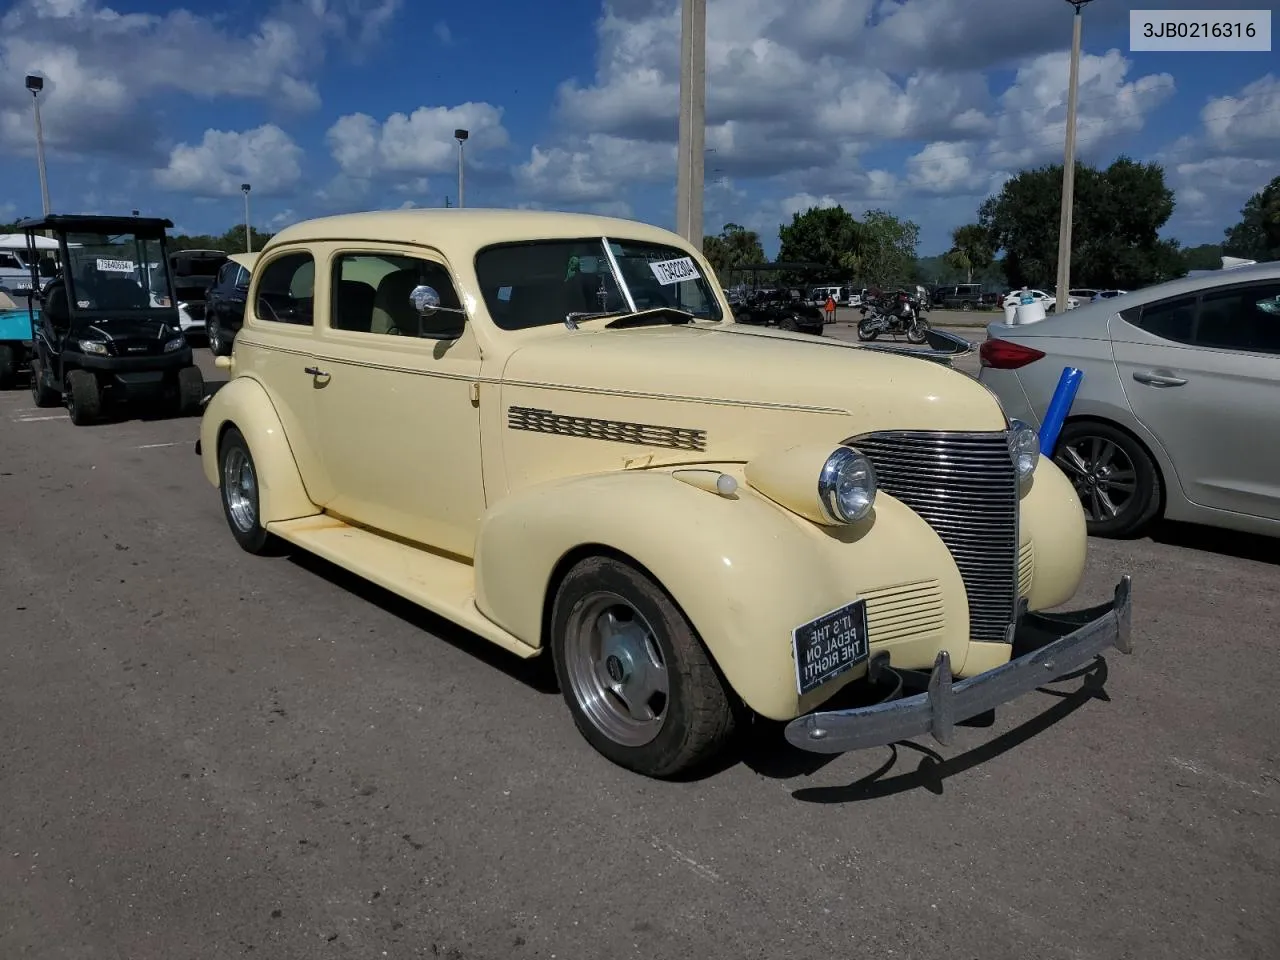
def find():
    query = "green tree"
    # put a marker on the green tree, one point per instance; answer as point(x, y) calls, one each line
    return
point(829, 236)
point(1257, 235)
point(887, 252)
point(1207, 256)
point(734, 247)
point(971, 250)
point(1117, 218)
point(232, 241)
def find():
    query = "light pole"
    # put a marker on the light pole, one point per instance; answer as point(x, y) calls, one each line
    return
point(248, 231)
point(1069, 165)
point(35, 85)
point(461, 136)
point(691, 154)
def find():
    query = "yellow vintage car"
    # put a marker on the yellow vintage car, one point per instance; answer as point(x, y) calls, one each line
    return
point(548, 429)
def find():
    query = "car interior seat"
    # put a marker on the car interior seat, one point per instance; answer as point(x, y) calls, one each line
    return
point(394, 312)
point(353, 305)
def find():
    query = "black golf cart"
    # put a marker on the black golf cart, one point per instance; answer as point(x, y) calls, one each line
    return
point(108, 330)
point(770, 305)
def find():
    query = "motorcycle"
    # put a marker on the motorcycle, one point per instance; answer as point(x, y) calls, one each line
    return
point(895, 313)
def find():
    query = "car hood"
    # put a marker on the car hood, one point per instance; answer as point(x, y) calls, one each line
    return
point(741, 389)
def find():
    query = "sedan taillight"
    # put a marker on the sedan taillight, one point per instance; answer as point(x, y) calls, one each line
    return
point(1006, 355)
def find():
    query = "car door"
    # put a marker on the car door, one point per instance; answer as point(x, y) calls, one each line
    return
point(1202, 373)
point(399, 399)
point(277, 348)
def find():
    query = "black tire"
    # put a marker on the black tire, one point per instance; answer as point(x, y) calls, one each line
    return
point(864, 331)
point(967, 306)
point(917, 332)
point(84, 399)
point(788, 324)
point(1088, 448)
point(42, 395)
point(190, 390)
point(695, 719)
point(8, 368)
point(219, 346)
point(242, 512)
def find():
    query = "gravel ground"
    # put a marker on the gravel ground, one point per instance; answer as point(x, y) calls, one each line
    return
point(207, 755)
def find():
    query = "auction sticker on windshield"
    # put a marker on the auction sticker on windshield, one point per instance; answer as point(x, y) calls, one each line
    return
point(674, 271)
point(1183, 31)
point(115, 266)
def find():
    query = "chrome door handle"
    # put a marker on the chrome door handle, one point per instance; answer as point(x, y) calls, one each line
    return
point(1154, 379)
point(315, 372)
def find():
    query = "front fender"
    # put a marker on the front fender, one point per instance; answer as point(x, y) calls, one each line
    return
point(244, 403)
point(744, 570)
point(1053, 521)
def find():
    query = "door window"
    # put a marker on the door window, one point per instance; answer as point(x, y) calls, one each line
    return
point(286, 291)
point(1246, 319)
point(1172, 320)
point(373, 293)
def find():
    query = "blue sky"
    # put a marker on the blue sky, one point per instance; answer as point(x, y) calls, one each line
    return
point(921, 107)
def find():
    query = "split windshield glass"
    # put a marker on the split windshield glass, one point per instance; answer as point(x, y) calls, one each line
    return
point(540, 282)
point(111, 273)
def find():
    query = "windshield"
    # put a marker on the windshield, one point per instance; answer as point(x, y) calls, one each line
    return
point(114, 272)
point(540, 282)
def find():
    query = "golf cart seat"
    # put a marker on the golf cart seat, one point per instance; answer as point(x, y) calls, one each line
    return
point(57, 309)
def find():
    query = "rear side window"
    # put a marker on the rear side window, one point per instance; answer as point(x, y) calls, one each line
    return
point(1246, 319)
point(286, 292)
point(1172, 320)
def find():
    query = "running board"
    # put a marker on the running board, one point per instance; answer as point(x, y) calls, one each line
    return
point(445, 587)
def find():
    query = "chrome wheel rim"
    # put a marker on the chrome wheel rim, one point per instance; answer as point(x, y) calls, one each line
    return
point(215, 341)
point(1103, 475)
point(616, 670)
point(240, 489)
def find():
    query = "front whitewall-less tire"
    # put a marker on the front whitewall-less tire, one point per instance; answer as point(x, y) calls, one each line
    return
point(640, 685)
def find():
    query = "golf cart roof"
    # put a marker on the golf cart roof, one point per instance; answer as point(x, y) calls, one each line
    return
point(93, 223)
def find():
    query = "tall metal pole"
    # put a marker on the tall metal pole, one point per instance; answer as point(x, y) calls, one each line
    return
point(44, 177)
point(248, 230)
point(1069, 165)
point(462, 186)
point(691, 153)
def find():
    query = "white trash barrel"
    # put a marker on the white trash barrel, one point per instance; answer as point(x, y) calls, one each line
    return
point(1010, 313)
point(1029, 312)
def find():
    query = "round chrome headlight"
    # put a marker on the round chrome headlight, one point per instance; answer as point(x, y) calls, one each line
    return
point(847, 486)
point(1024, 447)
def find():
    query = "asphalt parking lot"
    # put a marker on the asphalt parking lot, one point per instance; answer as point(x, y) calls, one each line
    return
point(207, 755)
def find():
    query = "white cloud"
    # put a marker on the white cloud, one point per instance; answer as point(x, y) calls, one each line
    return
point(443, 33)
point(266, 158)
point(1230, 157)
point(408, 145)
point(103, 67)
point(592, 172)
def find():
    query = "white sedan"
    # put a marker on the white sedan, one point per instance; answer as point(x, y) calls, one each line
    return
point(1179, 409)
point(1046, 300)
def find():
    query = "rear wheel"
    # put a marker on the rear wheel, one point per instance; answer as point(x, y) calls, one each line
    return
point(219, 346)
point(84, 399)
point(640, 686)
point(8, 368)
point(238, 484)
point(1117, 481)
point(42, 395)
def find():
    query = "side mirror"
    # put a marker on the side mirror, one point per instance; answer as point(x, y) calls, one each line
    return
point(450, 322)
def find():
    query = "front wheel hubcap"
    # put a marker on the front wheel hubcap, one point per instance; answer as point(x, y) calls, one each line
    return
point(616, 670)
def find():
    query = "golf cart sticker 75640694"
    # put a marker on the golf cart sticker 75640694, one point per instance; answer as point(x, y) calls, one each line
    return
point(674, 271)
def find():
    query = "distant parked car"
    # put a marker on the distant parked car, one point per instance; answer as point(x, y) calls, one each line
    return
point(1179, 408)
point(1048, 300)
point(224, 308)
point(1109, 294)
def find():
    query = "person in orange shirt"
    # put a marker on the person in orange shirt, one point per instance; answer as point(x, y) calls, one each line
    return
point(830, 308)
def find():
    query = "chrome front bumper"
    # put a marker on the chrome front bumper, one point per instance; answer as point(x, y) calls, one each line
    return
point(1065, 642)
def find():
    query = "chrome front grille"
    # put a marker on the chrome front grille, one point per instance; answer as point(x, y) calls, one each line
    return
point(964, 485)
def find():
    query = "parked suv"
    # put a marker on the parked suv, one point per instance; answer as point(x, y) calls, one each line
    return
point(958, 296)
point(224, 309)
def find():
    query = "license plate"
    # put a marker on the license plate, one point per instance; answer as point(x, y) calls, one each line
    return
point(830, 645)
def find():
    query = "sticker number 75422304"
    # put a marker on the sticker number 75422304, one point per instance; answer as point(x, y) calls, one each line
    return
point(673, 271)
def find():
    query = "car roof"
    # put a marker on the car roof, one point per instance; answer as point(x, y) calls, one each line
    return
point(468, 229)
point(246, 260)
